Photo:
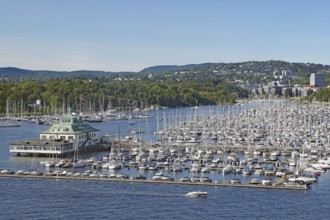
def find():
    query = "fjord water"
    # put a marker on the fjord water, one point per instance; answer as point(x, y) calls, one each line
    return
point(65, 199)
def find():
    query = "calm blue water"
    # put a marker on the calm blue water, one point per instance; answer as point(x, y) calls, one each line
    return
point(63, 199)
point(51, 199)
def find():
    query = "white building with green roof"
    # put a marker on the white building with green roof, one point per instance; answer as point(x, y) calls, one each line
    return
point(65, 136)
point(72, 129)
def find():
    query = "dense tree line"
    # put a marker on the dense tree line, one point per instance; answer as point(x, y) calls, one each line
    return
point(321, 96)
point(98, 95)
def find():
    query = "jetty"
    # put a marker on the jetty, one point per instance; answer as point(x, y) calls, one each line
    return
point(291, 187)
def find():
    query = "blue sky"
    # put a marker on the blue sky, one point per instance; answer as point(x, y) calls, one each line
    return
point(129, 35)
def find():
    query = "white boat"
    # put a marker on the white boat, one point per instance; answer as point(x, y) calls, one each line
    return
point(8, 121)
point(266, 182)
point(320, 166)
point(303, 179)
point(185, 179)
point(259, 172)
point(235, 181)
point(304, 155)
point(314, 171)
point(167, 178)
point(247, 172)
point(257, 152)
point(294, 154)
point(254, 181)
point(122, 176)
point(177, 169)
point(205, 179)
point(106, 165)
point(49, 164)
point(79, 164)
point(21, 172)
point(275, 153)
point(7, 172)
point(227, 169)
point(114, 166)
point(76, 174)
point(295, 184)
point(90, 161)
point(7, 124)
point(324, 161)
point(205, 170)
point(292, 163)
point(158, 176)
point(197, 194)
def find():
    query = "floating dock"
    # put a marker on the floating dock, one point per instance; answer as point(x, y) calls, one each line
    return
point(300, 187)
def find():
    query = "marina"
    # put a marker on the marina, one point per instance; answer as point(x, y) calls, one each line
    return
point(162, 172)
point(164, 110)
point(247, 146)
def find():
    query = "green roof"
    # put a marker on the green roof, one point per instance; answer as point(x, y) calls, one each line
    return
point(69, 125)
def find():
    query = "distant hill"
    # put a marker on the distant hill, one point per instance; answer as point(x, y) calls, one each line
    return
point(166, 68)
point(242, 70)
point(13, 72)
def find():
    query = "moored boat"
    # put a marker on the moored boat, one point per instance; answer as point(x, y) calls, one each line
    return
point(254, 181)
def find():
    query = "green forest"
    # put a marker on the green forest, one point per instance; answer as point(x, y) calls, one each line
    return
point(58, 95)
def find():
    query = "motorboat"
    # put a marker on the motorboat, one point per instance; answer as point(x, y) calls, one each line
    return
point(167, 178)
point(254, 181)
point(303, 179)
point(195, 179)
point(227, 169)
point(21, 172)
point(7, 172)
point(205, 179)
point(196, 194)
point(266, 182)
point(295, 184)
point(158, 176)
point(235, 181)
point(247, 172)
point(140, 177)
point(259, 172)
point(314, 171)
point(122, 176)
point(114, 166)
point(185, 179)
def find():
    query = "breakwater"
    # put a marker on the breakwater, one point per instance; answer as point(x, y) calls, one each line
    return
point(297, 187)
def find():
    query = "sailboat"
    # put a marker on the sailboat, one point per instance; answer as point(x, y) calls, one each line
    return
point(77, 163)
point(8, 121)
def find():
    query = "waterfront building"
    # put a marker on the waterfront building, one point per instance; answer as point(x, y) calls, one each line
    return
point(65, 136)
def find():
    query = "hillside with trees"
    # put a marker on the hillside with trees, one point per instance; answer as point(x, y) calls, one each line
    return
point(99, 95)
point(188, 85)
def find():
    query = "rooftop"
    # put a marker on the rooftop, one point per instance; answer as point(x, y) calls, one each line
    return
point(69, 125)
